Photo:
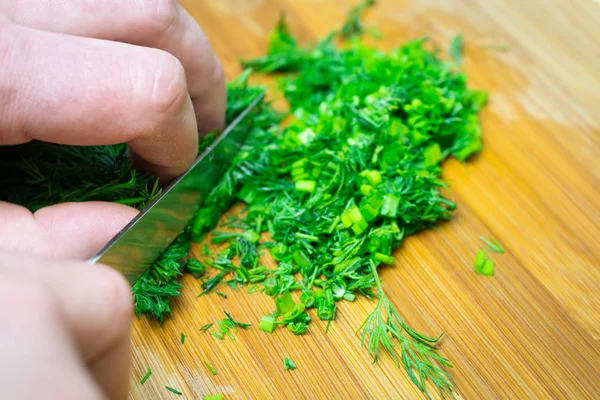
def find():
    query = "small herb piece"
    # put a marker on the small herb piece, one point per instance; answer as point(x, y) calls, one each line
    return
point(223, 295)
point(182, 338)
point(487, 268)
point(353, 25)
point(456, 49)
point(493, 245)
point(210, 368)
point(237, 323)
point(213, 397)
point(227, 326)
point(288, 364)
point(267, 323)
point(146, 376)
point(479, 260)
point(170, 389)
point(206, 327)
point(195, 267)
point(483, 265)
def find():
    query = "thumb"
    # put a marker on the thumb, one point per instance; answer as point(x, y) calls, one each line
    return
point(96, 306)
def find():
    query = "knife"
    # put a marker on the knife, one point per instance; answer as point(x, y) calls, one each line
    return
point(140, 243)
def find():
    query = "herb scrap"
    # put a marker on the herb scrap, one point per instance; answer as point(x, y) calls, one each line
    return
point(183, 338)
point(227, 327)
point(288, 364)
point(483, 265)
point(237, 323)
point(146, 376)
point(170, 389)
point(353, 25)
point(456, 48)
point(206, 327)
point(210, 368)
point(493, 245)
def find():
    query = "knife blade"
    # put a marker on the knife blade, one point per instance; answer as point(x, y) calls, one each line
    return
point(141, 241)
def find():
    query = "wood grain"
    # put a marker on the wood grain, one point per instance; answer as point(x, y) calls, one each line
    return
point(530, 332)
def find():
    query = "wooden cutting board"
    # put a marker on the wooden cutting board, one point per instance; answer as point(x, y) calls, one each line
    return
point(530, 332)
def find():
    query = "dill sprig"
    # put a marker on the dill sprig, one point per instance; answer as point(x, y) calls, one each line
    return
point(384, 328)
point(353, 25)
point(493, 245)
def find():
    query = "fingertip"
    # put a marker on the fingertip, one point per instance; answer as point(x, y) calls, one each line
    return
point(118, 294)
point(78, 230)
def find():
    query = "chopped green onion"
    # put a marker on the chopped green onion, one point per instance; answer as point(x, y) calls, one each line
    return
point(310, 238)
point(487, 268)
point(373, 176)
point(252, 236)
point(479, 260)
point(384, 258)
point(267, 323)
point(306, 186)
point(213, 397)
point(271, 286)
point(390, 205)
point(182, 338)
point(433, 154)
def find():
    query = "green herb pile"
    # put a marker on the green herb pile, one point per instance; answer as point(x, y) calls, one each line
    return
point(329, 196)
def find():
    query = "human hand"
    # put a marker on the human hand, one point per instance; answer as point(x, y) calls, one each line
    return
point(89, 73)
point(65, 329)
point(84, 72)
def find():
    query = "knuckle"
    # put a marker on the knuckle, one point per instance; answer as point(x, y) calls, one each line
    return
point(169, 86)
point(159, 15)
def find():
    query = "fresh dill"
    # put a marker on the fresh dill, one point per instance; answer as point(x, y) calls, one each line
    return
point(227, 327)
point(353, 25)
point(493, 245)
point(172, 390)
point(385, 330)
point(206, 327)
point(456, 49)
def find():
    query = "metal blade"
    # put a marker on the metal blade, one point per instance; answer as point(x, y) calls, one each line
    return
point(140, 243)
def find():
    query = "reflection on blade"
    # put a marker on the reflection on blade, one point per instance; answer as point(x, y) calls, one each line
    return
point(140, 243)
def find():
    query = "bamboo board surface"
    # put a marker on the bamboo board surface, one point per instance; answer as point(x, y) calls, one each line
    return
point(530, 332)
